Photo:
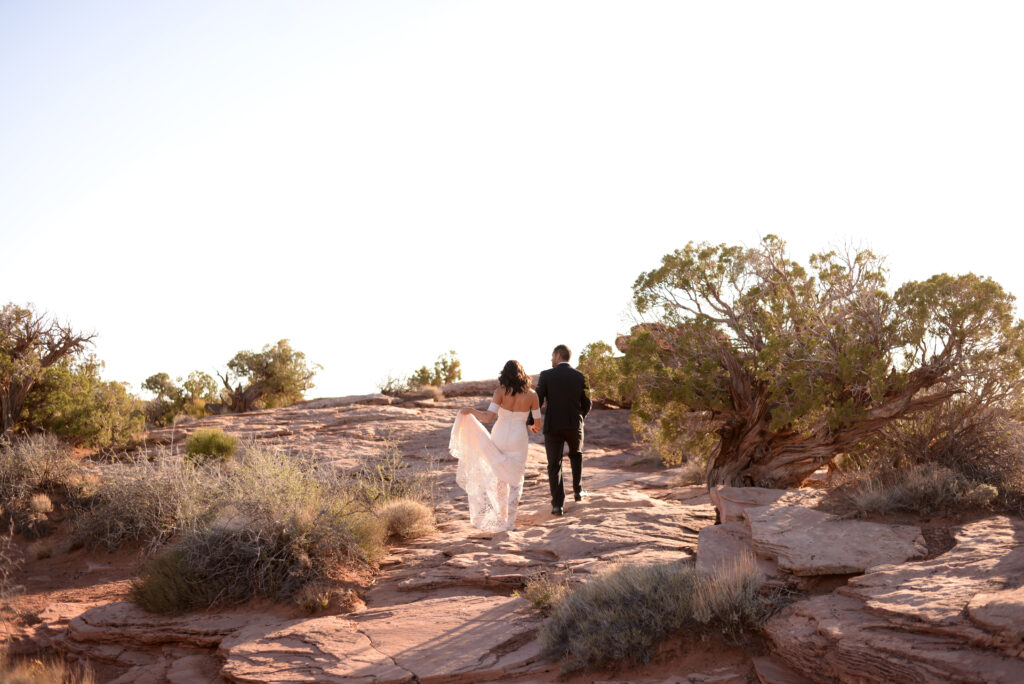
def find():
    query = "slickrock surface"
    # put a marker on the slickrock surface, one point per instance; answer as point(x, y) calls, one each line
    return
point(442, 608)
point(955, 617)
point(807, 542)
point(731, 502)
point(785, 534)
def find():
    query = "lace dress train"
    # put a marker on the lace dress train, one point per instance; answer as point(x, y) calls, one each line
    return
point(491, 467)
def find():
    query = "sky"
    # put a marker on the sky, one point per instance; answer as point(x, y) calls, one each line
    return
point(381, 182)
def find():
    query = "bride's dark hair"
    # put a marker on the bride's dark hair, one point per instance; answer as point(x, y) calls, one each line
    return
point(513, 378)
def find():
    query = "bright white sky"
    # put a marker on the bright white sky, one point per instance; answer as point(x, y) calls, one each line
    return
point(383, 181)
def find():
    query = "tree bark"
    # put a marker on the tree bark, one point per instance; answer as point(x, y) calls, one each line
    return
point(751, 454)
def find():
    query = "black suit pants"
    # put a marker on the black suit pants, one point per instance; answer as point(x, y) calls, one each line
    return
point(554, 443)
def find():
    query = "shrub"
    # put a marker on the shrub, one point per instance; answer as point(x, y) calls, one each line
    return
point(924, 489)
point(277, 376)
point(209, 445)
point(31, 343)
point(72, 401)
point(447, 369)
point(10, 562)
point(172, 400)
point(147, 501)
point(406, 518)
point(392, 386)
point(621, 616)
point(279, 525)
point(49, 671)
point(545, 589)
point(387, 475)
point(30, 467)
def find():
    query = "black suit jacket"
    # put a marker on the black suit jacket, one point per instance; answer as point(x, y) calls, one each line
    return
point(565, 390)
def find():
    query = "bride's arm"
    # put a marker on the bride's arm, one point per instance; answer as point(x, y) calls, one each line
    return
point(485, 416)
point(538, 419)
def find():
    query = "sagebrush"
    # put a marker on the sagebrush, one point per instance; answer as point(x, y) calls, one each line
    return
point(31, 467)
point(278, 524)
point(619, 618)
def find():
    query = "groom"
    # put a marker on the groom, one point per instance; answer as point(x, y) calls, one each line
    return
point(565, 390)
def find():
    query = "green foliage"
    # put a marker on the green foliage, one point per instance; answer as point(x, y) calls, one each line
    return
point(172, 400)
point(620, 617)
point(275, 377)
point(30, 343)
point(72, 400)
point(753, 343)
point(446, 370)
point(205, 446)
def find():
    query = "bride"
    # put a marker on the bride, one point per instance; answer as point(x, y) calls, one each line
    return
point(491, 465)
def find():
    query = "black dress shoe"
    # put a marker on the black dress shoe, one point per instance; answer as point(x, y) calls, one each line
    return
point(556, 510)
point(578, 496)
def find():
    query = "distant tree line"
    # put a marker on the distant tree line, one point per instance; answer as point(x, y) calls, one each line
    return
point(50, 382)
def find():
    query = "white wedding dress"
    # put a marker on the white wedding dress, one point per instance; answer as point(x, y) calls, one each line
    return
point(491, 466)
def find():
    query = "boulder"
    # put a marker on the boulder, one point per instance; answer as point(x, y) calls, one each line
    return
point(732, 501)
point(951, 618)
point(806, 542)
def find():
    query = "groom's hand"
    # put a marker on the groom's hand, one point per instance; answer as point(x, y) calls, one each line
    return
point(535, 428)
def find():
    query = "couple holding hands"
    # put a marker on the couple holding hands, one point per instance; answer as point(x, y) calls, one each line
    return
point(492, 465)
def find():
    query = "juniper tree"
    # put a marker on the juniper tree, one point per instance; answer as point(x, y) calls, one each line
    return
point(787, 366)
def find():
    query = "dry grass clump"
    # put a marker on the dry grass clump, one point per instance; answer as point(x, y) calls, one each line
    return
point(406, 518)
point(621, 617)
point(387, 475)
point(925, 489)
point(205, 446)
point(956, 448)
point(279, 525)
point(48, 671)
point(147, 501)
point(545, 589)
point(30, 468)
point(10, 562)
point(316, 597)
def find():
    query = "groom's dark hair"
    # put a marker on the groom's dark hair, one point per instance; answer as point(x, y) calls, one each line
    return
point(563, 352)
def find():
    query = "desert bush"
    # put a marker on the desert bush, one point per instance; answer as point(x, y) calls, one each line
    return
point(182, 397)
point(446, 370)
point(319, 596)
point(10, 562)
point(621, 616)
point(279, 525)
point(393, 386)
point(274, 377)
point(406, 518)
point(205, 446)
point(31, 467)
point(980, 440)
point(146, 501)
point(387, 475)
point(72, 401)
point(44, 671)
point(30, 343)
point(545, 589)
point(926, 488)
